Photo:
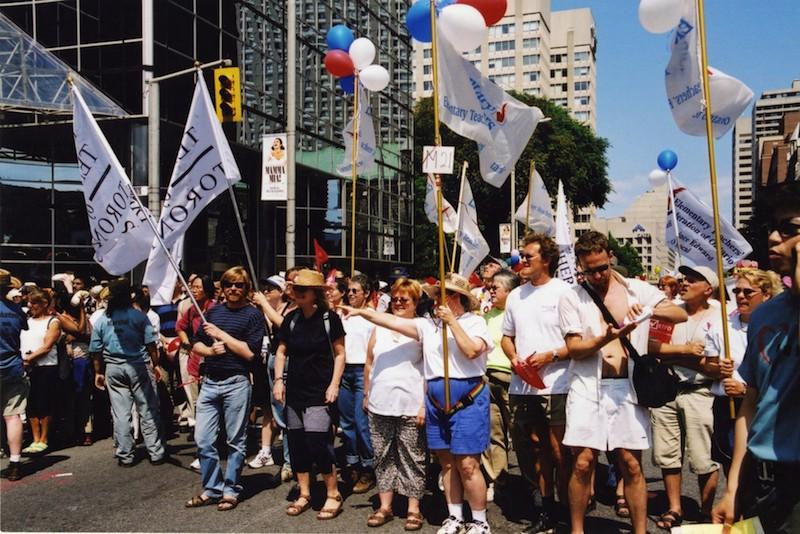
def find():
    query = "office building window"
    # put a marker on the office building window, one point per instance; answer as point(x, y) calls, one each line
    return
point(533, 76)
point(582, 116)
point(530, 26)
point(426, 70)
point(500, 30)
point(582, 86)
point(581, 100)
point(531, 42)
point(581, 71)
point(501, 46)
point(507, 62)
point(530, 59)
point(428, 86)
point(582, 56)
point(426, 53)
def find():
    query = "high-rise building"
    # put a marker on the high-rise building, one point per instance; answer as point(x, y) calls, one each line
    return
point(537, 51)
point(117, 46)
point(743, 193)
point(769, 125)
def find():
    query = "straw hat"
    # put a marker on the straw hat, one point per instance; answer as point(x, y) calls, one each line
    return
point(309, 278)
point(460, 285)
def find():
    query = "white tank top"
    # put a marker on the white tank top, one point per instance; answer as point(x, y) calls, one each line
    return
point(33, 338)
point(396, 383)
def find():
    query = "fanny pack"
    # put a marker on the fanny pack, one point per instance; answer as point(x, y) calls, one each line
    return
point(462, 403)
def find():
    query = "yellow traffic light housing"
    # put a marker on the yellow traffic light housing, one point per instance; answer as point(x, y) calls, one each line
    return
point(228, 92)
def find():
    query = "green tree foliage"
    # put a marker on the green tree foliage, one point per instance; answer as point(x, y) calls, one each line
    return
point(627, 256)
point(562, 148)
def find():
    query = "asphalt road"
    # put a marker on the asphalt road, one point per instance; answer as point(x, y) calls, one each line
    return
point(83, 489)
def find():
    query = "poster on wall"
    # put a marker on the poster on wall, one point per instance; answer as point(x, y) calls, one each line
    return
point(273, 167)
point(505, 238)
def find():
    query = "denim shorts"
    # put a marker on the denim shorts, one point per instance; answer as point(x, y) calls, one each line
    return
point(465, 431)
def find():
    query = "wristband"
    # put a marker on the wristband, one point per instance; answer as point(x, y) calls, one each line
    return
point(277, 378)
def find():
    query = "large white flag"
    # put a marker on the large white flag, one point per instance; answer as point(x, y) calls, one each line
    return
point(365, 159)
point(729, 96)
point(696, 230)
point(566, 254)
point(162, 275)
point(474, 247)
point(204, 168)
point(537, 210)
point(115, 217)
point(449, 216)
point(478, 109)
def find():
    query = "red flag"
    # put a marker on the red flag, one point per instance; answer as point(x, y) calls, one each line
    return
point(320, 256)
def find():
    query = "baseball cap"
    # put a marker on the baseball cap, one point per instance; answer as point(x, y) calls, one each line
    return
point(277, 281)
point(702, 272)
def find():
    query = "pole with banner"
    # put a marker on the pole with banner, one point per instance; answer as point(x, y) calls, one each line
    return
point(674, 220)
point(458, 215)
point(513, 206)
point(354, 172)
point(530, 196)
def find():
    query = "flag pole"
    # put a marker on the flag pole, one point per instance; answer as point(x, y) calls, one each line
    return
point(674, 219)
point(354, 172)
point(530, 196)
point(243, 236)
point(458, 215)
point(513, 208)
point(713, 173)
point(437, 140)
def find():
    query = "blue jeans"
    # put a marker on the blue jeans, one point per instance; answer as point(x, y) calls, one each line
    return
point(354, 420)
point(278, 409)
point(229, 399)
point(128, 384)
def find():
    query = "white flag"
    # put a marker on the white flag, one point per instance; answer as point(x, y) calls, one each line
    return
point(566, 254)
point(449, 216)
point(115, 217)
point(729, 96)
point(365, 161)
point(476, 108)
point(204, 168)
point(539, 210)
point(163, 275)
point(696, 230)
point(474, 247)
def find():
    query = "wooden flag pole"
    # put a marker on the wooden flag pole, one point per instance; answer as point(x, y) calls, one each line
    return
point(513, 208)
point(458, 215)
point(354, 172)
point(714, 198)
point(674, 220)
point(437, 140)
point(530, 196)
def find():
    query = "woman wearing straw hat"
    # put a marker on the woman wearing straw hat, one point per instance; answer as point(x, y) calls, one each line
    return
point(458, 433)
point(312, 339)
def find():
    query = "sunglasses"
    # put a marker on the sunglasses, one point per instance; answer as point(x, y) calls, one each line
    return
point(595, 270)
point(528, 257)
point(353, 290)
point(238, 285)
point(788, 227)
point(400, 300)
point(299, 290)
point(746, 291)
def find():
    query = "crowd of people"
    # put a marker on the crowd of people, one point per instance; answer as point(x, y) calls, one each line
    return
point(533, 363)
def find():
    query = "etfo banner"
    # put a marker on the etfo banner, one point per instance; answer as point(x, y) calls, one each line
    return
point(273, 176)
point(365, 157)
point(696, 231)
point(566, 254)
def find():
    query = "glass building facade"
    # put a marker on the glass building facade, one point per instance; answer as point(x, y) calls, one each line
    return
point(42, 215)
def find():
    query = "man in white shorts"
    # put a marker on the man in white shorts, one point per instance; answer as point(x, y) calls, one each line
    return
point(602, 414)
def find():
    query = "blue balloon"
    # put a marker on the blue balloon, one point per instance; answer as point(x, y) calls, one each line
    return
point(348, 84)
point(667, 160)
point(513, 260)
point(340, 37)
point(418, 21)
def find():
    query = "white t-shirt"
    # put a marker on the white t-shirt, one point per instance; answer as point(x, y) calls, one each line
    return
point(33, 338)
point(695, 329)
point(429, 332)
point(532, 319)
point(578, 314)
point(396, 386)
point(155, 320)
point(737, 335)
point(358, 332)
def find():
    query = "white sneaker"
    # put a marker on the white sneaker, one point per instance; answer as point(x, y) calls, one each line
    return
point(262, 459)
point(196, 464)
point(490, 492)
point(477, 527)
point(451, 525)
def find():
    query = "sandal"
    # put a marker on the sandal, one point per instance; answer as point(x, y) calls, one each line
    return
point(330, 513)
point(227, 503)
point(199, 500)
point(296, 509)
point(621, 507)
point(669, 519)
point(413, 521)
point(379, 518)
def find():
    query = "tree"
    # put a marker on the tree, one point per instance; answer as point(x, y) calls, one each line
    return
point(562, 148)
point(627, 256)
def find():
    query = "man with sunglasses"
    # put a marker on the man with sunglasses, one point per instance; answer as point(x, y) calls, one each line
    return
point(602, 414)
point(766, 450)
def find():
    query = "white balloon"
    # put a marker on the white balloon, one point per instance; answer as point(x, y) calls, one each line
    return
point(463, 26)
point(660, 16)
point(657, 177)
point(362, 52)
point(374, 77)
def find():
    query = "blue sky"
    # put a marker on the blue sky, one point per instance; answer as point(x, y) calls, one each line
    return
point(756, 41)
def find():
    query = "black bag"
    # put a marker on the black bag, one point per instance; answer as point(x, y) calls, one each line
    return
point(655, 383)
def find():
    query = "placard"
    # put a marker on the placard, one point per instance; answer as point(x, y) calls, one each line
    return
point(505, 238)
point(438, 159)
point(273, 167)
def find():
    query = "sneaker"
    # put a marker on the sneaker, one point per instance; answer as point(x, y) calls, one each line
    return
point(33, 448)
point(542, 525)
point(14, 471)
point(490, 492)
point(365, 483)
point(286, 473)
point(441, 482)
point(451, 525)
point(262, 459)
point(477, 527)
point(195, 464)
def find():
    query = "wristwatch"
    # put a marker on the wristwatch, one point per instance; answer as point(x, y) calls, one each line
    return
point(555, 355)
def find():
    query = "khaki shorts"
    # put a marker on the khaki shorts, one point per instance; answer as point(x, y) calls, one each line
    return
point(535, 410)
point(682, 429)
point(14, 396)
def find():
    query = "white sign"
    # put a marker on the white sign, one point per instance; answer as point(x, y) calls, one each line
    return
point(388, 246)
point(366, 140)
point(273, 168)
point(566, 254)
point(505, 238)
point(438, 159)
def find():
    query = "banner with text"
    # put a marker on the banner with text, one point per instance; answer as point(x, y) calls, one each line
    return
point(566, 254)
point(365, 159)
point(539, 208)
point(274, 184)
point(449, 217)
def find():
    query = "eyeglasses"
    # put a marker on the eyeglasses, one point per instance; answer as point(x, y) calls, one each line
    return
point(238, 285)
point(789, 227)
point(587, 271)
point(491, 288)
point(353, 290)
point(746, 291)
point(299, 290)
point(528, 257)
point(400, 300)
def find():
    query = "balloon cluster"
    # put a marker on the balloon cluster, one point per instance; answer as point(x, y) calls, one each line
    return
point(660, 16)
point(347, 56)
point(514, 259)
point(464, 23)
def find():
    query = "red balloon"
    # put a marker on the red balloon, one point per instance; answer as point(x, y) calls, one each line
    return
point(492, 10)
point(338, 63)
point(174, 345)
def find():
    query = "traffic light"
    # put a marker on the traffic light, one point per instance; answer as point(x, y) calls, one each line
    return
point(229, 94)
